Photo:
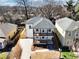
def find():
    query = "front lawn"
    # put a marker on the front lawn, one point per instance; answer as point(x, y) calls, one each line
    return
point(68, 55)
point(3, 55)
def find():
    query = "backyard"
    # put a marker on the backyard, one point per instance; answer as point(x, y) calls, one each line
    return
point(68, 55)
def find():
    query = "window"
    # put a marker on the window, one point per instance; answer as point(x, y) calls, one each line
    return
point(36, 37)
point(42, 37)
point(29, 26)
point(69, 33)
point(42, 30)
point(36, 29)
point(76, 34)
point(49, 30)
point(68, 42)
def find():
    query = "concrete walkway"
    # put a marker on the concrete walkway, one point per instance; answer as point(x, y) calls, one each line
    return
point(45, 54)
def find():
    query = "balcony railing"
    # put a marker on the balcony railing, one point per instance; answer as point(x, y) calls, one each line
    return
point(41, 31)
point(43, 34)
point(43, 37)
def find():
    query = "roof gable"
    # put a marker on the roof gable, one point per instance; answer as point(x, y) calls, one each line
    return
point(40, 22)
point(7, 27)
point(45, 23)
point(66, 23)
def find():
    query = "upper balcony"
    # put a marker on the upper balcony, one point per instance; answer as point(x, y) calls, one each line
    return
point(43, 32)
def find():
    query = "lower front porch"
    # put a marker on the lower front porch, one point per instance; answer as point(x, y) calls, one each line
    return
point(44, 44)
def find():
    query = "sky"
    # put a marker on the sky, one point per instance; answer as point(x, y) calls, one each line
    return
point(13, 2)
point(7, 2)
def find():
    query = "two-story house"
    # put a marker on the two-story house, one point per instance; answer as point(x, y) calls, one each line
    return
point(67, 31)
point(40, 29)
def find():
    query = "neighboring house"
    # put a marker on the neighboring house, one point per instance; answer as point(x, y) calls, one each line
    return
point(40, 29)
point(67, 31)
point(7, 31)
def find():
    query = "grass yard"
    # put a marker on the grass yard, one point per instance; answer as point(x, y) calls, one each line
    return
point(68, 55)
point(3, 55)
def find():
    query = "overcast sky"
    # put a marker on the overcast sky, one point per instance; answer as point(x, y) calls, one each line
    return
point(13, 2)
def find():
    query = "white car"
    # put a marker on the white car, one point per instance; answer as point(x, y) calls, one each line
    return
point(3, 43)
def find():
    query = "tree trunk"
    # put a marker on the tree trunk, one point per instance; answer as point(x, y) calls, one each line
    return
point(26, 14)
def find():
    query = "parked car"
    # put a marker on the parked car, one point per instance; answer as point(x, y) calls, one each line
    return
point(3, 43)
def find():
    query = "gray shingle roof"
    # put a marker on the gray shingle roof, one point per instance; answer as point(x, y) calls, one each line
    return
point(1, 33)
point(67, 24)
point(33, 20)
point(7, 27)
point(40, 22)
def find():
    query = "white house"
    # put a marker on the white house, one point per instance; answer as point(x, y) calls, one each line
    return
point(40, 29)
point(67, 31)
point(7, 31)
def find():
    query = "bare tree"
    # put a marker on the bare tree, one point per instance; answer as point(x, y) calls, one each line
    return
point(52, 9)
point(49, 11)
point(23, 3)
point(71, 8)
point(46, 11)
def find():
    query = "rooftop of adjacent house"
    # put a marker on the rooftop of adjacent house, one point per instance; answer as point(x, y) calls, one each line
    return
point(67, 24)
point(6, 28)
point(1, 34)
point(40, 22)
